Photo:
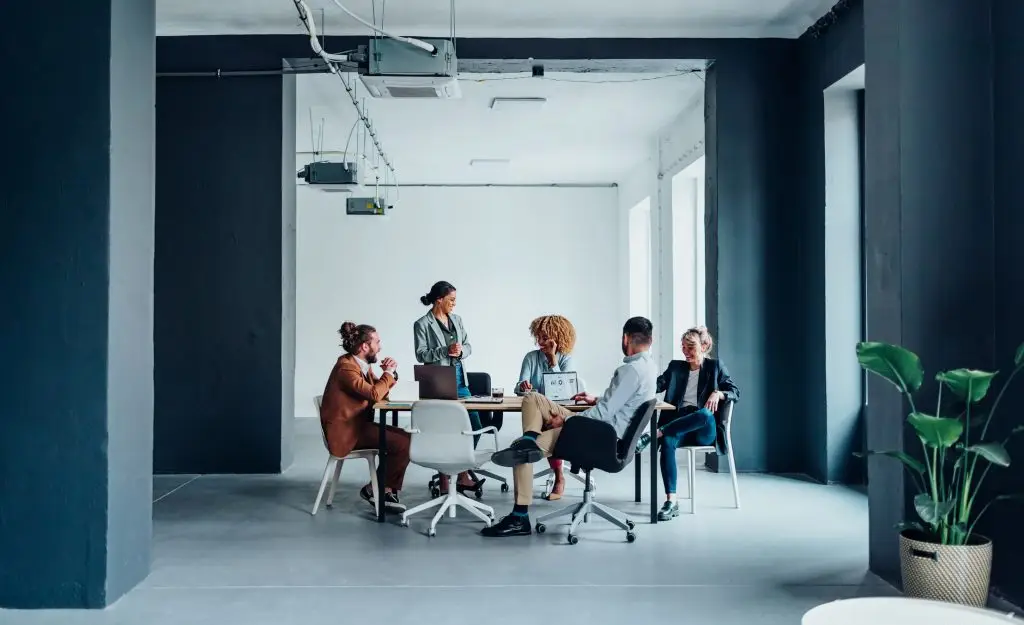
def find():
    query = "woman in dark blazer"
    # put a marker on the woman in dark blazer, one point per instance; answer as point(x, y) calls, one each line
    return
point(696, 386)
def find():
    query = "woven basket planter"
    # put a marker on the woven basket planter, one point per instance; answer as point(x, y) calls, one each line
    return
point(957, 574)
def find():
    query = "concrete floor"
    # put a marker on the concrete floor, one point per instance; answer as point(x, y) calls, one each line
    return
point(244, 549)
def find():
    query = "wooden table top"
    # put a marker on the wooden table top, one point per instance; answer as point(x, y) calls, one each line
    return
point(509, 403)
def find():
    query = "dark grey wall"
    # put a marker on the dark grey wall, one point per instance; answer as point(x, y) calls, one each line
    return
point(130, 322)
point(928, 214)
point(752, 231)
point(75, 270)
point(1004, 520)
point(827, 54)
point(223, 368)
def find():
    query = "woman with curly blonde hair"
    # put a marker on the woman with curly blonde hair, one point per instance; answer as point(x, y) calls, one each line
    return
point(556, 338)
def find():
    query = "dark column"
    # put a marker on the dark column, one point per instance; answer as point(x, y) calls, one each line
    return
point(756, 226)
point(76, 273)
point(928, 216)
point(224, 337)
point(1003, 521)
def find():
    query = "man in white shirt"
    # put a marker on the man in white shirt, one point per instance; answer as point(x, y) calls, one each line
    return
point(632, 384)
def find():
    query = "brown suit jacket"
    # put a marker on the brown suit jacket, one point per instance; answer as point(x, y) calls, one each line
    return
point(348, 401)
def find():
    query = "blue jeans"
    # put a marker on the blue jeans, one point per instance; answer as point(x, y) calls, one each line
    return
point(693, 428)
point(474, 416)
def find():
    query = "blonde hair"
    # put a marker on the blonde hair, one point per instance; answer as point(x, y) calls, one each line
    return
point(558, 328)
point(701, 336)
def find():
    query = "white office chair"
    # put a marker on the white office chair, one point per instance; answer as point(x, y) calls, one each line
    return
point(724, 425)
point(442, 440)
point(334, 462)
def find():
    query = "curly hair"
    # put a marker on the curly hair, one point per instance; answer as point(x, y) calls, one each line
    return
point(557, 328)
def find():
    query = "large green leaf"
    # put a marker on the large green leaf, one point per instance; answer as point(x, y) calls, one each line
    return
point(936, 431)
point(969, 385)
point(993, 452)
point(900, 366)
point(930, 511)
point(911, 463)
point(1018, 359)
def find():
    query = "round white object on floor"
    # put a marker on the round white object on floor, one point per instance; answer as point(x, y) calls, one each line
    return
point(901, 611)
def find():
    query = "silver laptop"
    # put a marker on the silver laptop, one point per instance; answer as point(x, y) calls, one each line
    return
point(562, 386)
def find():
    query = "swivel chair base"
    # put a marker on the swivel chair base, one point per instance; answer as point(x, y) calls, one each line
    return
point(581, 512)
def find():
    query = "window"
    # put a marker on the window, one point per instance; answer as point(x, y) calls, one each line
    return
point(640, 259)
point(687, 250)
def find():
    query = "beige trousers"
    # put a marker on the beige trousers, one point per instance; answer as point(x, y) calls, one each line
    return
point(537, 413)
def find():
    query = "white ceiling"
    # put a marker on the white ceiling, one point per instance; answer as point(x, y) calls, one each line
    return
point(504, 18)
point(592, 129)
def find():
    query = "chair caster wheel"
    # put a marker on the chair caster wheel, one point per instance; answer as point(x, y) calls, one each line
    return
point(329, 506)
point(541, 528)
point(479, 492)
point(630, 526)
point(435, 493)
point(630, 537)
point(573, 539)
point(404, 522)
point(504, 487)
point(431, 532)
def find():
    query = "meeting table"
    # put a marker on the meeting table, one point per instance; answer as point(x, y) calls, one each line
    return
point(513, 404)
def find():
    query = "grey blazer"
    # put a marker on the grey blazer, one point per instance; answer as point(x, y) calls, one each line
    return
point(431, 348)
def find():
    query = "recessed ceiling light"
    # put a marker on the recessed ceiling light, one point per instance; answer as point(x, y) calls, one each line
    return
point(516, 103)
point(488, 162)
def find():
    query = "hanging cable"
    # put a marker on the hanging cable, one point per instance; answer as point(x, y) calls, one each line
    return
point(422, 45)
point(310, 25)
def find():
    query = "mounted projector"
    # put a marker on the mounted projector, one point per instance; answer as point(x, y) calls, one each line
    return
point(397, 70)
point(330, 174)
point(365, 206)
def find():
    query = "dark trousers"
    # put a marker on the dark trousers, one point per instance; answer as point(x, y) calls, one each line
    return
point(396, 441)
point(690, 426)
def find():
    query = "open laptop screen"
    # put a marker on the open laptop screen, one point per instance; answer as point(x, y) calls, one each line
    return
point(561, 386)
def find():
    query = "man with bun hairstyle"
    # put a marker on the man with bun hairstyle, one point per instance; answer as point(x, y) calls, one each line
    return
point(346, 413)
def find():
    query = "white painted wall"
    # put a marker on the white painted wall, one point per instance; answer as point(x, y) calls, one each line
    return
point(678, 147)
point(512, 253)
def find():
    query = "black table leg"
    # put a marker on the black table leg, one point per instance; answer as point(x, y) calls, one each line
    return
point(382, 460)
point(637, 473)
point(654, 467)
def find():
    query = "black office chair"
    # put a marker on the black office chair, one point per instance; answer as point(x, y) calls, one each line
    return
point(591, 444)
point(480, 384)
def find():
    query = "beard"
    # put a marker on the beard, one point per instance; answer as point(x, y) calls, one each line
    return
point(371, 358)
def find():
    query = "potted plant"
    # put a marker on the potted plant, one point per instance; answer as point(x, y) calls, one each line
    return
point(941, 557)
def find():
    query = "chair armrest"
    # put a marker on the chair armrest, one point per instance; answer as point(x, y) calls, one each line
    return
point(589, 443)
point(484, 430)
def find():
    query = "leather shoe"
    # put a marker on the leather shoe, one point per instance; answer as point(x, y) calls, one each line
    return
point(522, 451)
point(511, 525)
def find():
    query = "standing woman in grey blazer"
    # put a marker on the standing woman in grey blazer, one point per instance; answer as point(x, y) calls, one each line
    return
point(440, 339)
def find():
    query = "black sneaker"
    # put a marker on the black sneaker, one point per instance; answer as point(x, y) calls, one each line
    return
point(643, 443)
point(668, 511)
point(522, 451)
point(511, 525)
point(392, 503)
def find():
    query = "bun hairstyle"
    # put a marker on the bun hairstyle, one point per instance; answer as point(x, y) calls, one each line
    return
point(353, 336)
point(702, 336)
point(440, 290)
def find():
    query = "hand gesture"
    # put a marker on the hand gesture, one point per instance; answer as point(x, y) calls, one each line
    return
point(713, 400)
point(549, 348)
point(584, 398)
point(525, 386)
point(556, 420)
point(455, 350)
point(388, 365)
